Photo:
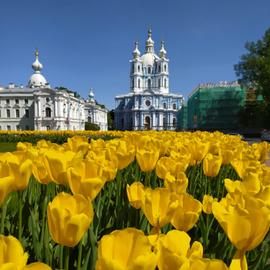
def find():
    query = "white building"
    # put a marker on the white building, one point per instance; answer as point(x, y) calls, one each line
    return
point(40, 107)
point(95, 113)
point(149, 104)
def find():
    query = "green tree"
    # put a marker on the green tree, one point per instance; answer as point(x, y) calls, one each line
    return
point(91, 126)
point(253, 71)
point(110, 117)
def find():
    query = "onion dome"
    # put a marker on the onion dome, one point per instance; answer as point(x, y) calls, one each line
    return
point(136, 52)
point(162, 52)
point(149, 48)
point(37, 79)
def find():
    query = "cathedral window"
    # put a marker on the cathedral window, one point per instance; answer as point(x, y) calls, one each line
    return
point(165, 83)
point(159, 68)
point(16, 101)
point(17, 113)
point(27, 113)
point(8, 127)
point(149, 83)
point(7, 101)
point(149, 70)
point(47, 99)
point(8, 113)
point(139, 68)
point(48, 112)
point(158, 82)
point(165, 68)
point(164, 105)
point(147, 102)
point(174, 106)
point(139, 83)
point(26, 101)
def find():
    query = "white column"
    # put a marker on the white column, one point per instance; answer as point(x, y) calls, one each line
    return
point(154, 120)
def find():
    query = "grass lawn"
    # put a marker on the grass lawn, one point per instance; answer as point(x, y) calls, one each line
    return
point(7, 146)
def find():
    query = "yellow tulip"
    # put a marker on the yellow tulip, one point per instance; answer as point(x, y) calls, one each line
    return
point(6, 181)
point(136, 194)
point(175, 252)
point(211, 165)
point(37, 266)
point(85, 178)
point(11, 252)
point(239, 261)
point(147, 159)
point(128, 249)
point(40, 171)
point(198, 150)
point(68, 218)
point(77, 143)
point(20, 169)
point(57, 163)
point(187, 212)
point(207, 264)
point(158, 206)
point(176, 184)
point(207, 203)
point(165, 165)
point(246, 221)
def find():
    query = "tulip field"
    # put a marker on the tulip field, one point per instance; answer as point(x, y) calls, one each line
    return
point(134, 200)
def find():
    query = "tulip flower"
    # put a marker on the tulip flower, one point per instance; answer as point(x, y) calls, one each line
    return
point(198, 150)
point(211, 165)
point(158, 206)
point(147, 159)
point(187, 212)
point(136, 194)
point(176, 184)
point(12, 256)
point(128, 249)
point(6, 181)
point(165, 165)
point(175, 252)
point(207, 204)
point(57, 163)
point(68, 218)
point(85, 178)
point(207, 264)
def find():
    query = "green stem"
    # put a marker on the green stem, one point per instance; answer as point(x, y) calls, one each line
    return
point(20, 216)
point(79, 256)
point(3, 216)
point(66, 258)
point(61, 257)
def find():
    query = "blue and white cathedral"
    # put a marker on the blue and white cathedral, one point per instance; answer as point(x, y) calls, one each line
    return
point(149, 104)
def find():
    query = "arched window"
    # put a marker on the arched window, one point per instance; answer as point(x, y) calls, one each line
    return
point(158, 82)
point(139, 83)
point(174, 122)
point(164, 105)
point(48, 112)
point(159, 68)
point(139, 68)
point(147, 121)
point(174, 106)
point(165, 83)
point(149, 83)
point(165, 68)
point(149, 70)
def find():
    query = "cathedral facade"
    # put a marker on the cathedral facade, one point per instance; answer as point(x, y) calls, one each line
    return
point(149, 103)
point(38, 106)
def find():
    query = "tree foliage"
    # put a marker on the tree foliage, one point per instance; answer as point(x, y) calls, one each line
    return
point(253, 71)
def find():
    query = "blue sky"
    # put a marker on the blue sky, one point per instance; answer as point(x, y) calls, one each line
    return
point(88, 43)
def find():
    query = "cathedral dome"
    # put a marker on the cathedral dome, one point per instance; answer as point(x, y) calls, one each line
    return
point(37, 80)
point(148, 59)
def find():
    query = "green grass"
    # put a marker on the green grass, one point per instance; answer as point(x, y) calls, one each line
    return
point(7, 147)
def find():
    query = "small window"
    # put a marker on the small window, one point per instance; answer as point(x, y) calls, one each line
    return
point(147, 102)
point(165, 83)
point(26, 101)
point(164, 105)
point(174, 106)
point(8, 113)
point(139, 83)
point(149, 83)
point(17, 113)
point(48, 127)
point(48, 112)
point(8, 127)
point(159, 68)
point(158, 82)
point(139, 68)
point(47, 99)
point(27, 113)
point(7, 101)
point(165, 68)
point(149, 70)
point(16, 101)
